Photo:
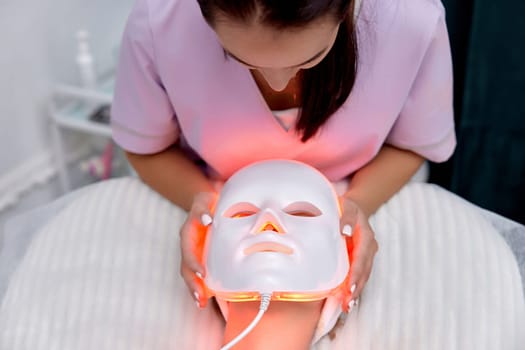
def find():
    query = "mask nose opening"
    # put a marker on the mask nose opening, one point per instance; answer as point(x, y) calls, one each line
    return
point(268, 221)
point(268, 226)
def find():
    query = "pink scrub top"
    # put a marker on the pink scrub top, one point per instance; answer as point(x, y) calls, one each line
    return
point(174, 84)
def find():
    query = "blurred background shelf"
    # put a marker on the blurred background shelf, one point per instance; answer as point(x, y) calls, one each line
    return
point(75, 116)
point(72, 106)
point(83, 114)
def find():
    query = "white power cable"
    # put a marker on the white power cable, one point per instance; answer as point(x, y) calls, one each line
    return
point(265, 302)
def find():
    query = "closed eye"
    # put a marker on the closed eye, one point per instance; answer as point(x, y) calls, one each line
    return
point(241, 210)
point(304, 209)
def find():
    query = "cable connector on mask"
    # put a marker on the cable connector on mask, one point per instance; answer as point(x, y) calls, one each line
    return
point(265, 301)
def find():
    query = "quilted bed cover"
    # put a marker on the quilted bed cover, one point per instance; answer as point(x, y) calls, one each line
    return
point(102, 272)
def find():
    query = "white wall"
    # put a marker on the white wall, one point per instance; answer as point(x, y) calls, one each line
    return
point(37, 48)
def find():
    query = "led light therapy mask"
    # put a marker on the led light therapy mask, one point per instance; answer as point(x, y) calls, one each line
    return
point(276, 230)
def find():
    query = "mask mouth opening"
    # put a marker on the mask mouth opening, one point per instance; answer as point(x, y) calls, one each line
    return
point(268, 247)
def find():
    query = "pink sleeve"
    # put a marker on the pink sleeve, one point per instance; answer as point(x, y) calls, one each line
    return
point(142, 117)
point(426, 122)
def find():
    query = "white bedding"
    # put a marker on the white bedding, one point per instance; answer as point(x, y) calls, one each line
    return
point(103, 274)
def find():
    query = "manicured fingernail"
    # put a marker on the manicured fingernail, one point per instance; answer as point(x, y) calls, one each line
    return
point(352, 289)
point(356, 302)
point(351, 305)
point(347, 230)
point(198, 274)
point(206, 219)
point(197, 299)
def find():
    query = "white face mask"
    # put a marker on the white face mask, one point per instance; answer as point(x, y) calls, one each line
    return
point(276, 229)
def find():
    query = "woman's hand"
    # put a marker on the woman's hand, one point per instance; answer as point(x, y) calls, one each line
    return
point(362, 247)
point(192, 239)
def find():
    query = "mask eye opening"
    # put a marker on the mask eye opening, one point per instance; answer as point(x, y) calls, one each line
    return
point(240, 210)
point(302, 209)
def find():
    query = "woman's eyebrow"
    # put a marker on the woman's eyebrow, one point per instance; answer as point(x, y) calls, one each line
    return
point(317, 55)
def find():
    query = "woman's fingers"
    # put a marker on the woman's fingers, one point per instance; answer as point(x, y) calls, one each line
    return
point(195, 285)
point(359, 274)
point(192, 240)
point(360, 269)
point(190, 268)
point(362, 247)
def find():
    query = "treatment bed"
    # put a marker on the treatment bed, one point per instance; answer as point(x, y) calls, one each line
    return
point(99, 269)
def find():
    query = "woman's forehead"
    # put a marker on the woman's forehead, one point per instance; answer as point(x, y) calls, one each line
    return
point(260, 45)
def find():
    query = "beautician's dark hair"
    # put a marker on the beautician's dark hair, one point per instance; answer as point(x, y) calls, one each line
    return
point(326, 86)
